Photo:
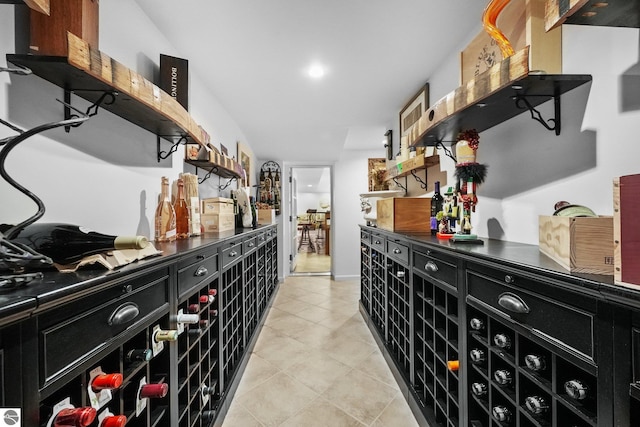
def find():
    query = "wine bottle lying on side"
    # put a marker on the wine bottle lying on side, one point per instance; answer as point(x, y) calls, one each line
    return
point(66, 243)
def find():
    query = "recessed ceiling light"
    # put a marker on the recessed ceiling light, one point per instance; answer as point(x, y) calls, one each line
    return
point(309, 185)
point(316, 71)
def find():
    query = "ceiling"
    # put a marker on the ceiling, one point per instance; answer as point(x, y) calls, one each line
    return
point(254, 56)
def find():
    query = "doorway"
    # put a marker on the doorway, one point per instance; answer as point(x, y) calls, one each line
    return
point(310, 205)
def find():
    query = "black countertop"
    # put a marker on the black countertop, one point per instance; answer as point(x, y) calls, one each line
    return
point(529, 258)
point(55, 287)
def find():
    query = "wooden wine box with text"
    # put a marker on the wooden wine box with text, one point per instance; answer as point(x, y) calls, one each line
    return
point(409, 214)
point(626, 232)
point(266, 216)
point(579, 244)
point(217, 205)
point(218, 222)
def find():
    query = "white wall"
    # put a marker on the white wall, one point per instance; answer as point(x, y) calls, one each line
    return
point(311, 201)
point(103, 174)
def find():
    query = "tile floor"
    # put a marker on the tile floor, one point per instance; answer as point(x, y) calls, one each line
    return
point(316, 364)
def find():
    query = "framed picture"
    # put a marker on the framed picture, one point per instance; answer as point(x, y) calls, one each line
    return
point(378, 174)
point(224, 150)
point(413, 110)
point(244, 158)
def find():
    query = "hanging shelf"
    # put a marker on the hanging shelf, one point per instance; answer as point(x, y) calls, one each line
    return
point(500, 93)
point(620, 13)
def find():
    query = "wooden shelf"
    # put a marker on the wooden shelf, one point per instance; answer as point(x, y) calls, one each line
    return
point(41, 6)
point(88, 73)
point(621, 13)
point(222, 171)
point(408, 166)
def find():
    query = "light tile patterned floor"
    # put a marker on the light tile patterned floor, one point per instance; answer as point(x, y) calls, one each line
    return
point(316, 364)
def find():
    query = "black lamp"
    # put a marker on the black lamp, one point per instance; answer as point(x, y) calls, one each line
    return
point(388, 144)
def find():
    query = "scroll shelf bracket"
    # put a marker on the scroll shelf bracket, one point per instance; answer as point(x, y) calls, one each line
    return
point(107, 98)
point(404, 187)
point(164, 154)
point(212, 171)
point(440, 146)
point(523, 103)
point(423, 184)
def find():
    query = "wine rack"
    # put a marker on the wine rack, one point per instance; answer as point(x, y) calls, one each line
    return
point(379, 291)
point(522, 381)
point(249, 291)
point(436, 344)
point(365, 277)
point(398, 316)
point(231, 312)
point(271, 261)
point(263, 275)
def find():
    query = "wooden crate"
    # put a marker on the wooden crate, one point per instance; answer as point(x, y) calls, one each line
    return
point(581, 245)
point(626, 211)
point(266, 216)
point(217, 205)
point(522, 22)
point(404, 214)
point(217, 223)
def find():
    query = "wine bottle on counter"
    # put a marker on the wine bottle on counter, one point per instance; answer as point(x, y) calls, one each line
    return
point(182, 213)
point(75, 417)
point(436, 206)
point(67, 243)
point(165, 218)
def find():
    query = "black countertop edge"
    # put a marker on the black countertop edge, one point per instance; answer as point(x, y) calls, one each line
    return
point(529, 258)
point(55, 287)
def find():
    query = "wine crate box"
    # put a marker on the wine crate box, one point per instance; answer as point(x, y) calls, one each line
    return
point(266, 216)
point(626, 211)
point(404, 214)
point(48, 34)
point(217, 205)
point(217, 222)
point(174, 78)
point(580, 244)
point(194, 151)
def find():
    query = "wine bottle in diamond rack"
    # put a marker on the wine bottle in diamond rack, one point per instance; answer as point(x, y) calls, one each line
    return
point(436, 206)
point(182, 213)
point(80, 417)
point(67, 243)
point(165, 218)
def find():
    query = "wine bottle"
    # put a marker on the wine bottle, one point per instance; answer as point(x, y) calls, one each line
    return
point(476, 324)
point(254, 212)
point(106, 382)
point(139, 355)
point(535, 362)
point(165, 217)
point(165, 335)
point(75, 417)
point(477, 356)
point(502, 341)
point(193, 308)
point(479, 389)
point(453, 365)
point(208, 390)
point(114, 421)
point(436, 206)
point(154, 391)
point(501, 413)
point(502, 377)
point(536, 405)
point(187, 319)
point(182, 212)
point(67, 243)
point(576, 389)
point(208, 416)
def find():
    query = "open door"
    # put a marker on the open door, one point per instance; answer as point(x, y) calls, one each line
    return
point(293, 221)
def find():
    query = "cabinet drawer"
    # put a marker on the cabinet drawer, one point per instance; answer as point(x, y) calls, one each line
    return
point(249, 245)
point(71, 331)
point(436, 265)
point(554, 319)
point(261, 239)
point(365, 237)
point(202, 269)
point(378, 242)
point(231, 253)
point(398, 251)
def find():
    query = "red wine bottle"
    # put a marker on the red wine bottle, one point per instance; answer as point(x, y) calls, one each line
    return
point(114, 421)
point(106, 382)
point(75, 417)
point(66, 243)
point(436, 206)
point(154, 391)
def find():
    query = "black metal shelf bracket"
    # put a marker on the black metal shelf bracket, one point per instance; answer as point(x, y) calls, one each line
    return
point(423, 184)
point(212, 171)
point(404, 187)
point(164, 154)
point(107, 98)
point(523, 103)
point(224, 187)
point(440, 146)
point(18, 69)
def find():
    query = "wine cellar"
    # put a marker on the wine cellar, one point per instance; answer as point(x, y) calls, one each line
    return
point(480, 336)
point(162, 342)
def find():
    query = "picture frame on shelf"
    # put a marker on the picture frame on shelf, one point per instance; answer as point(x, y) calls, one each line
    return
point(244, 158)
point(412, 111)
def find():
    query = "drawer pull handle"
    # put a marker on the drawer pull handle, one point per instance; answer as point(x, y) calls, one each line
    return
point(509, 279)
point(200, 257)
point(397, 251)
point(201, 271)
point(123, 314)
point(431, 266)
point(513, 302)
point(251, 244)
point(233, 253)
point(377, 242)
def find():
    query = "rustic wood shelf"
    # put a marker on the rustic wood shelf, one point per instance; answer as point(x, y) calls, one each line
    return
point(407, 167)
point(624, 13)
point(222, 171)
point(493, 97)
point(41, 6)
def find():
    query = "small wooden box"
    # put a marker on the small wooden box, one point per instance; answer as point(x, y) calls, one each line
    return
point(522, 22)
point(217, 205)
point(266, 216)
point(581, 245)
point(404, 214)
point(48, 34)
point(626, 211)
point(218, 222)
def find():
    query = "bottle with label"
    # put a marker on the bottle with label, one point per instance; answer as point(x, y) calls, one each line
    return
point(254, 212)
point(182, 212)
point(106, 382)
point(76, 417)
point(503, 377)
point(66, 243)
point(138, 355)
point(477, 356)
point(536, 405)
point(114, 421)
point(501, 413)
point(535, 362)
point(165, 217)
point(436, 206)
point(154, 391)
point(165, 335)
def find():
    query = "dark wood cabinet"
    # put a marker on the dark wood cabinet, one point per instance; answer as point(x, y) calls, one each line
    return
point(535, 345)
point(66, 328)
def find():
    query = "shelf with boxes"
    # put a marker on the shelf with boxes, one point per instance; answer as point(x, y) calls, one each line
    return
point(592, 12)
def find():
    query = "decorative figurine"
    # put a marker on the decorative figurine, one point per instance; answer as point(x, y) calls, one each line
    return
point(448, 216)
